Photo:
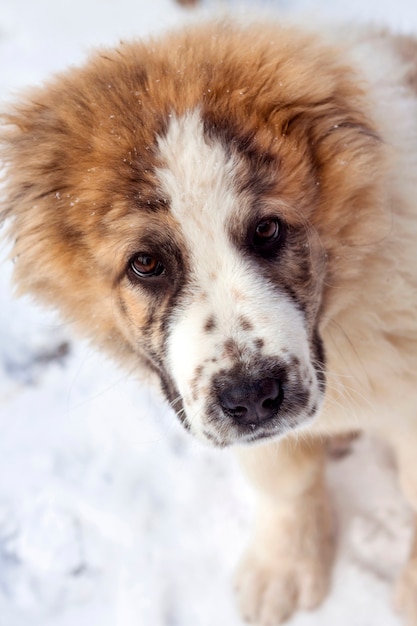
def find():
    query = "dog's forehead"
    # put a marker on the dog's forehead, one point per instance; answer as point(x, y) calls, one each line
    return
point(198, 176)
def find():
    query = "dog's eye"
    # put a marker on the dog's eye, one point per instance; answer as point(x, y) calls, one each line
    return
point(145, 266)
point(266, 232)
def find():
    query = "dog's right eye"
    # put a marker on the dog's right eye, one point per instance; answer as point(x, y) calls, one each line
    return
point(266, 232)
point(266, 237)
point(145, 265)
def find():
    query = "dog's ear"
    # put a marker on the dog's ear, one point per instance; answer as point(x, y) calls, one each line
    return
point(26, 131)
point(43, 150)
point(353, 213)
point(35, 148)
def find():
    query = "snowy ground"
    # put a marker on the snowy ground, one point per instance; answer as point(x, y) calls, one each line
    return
point(109, 513)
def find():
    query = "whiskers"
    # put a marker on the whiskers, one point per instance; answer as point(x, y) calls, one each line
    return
point(177, 406)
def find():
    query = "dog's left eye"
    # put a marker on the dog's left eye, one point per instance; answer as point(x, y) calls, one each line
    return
point(266, 232)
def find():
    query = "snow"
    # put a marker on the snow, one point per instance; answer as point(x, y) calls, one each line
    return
point(110, 514)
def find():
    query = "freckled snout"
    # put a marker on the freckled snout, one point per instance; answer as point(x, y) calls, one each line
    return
point(251, 401)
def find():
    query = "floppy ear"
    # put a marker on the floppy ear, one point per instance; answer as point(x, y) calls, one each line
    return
point(43, 154)
point(353, 216)
point(36, 146)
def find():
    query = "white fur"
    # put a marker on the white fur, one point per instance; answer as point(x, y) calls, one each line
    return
point(198, 179)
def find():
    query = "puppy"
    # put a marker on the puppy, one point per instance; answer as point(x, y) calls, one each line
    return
point(232, 208)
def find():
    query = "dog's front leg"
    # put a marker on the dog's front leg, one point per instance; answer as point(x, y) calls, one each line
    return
point(287, 565)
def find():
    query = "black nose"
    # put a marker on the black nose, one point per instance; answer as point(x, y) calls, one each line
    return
point(252, 401)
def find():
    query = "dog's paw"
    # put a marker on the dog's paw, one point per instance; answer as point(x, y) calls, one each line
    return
point(406, 594)
point(286, 568)
point(269, 591)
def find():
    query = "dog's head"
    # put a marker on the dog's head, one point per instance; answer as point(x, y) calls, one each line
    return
point(187, 203)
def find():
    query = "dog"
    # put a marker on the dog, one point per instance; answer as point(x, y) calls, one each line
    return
point(231, 208)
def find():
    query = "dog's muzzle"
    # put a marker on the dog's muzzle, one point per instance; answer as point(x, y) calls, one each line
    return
point(260, 399)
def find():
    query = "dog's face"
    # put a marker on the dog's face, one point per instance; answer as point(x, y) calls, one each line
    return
point(240, 339)
point(187, 205)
